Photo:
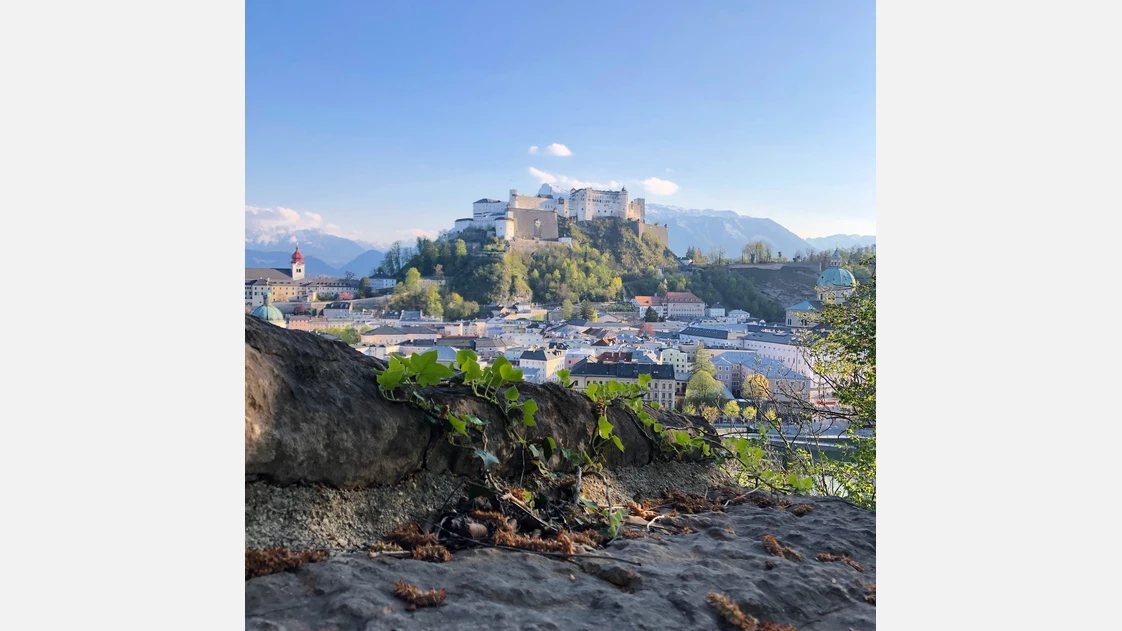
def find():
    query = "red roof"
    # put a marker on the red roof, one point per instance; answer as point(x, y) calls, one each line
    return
point(682, 296)
point(648, 301)
point(297, 257)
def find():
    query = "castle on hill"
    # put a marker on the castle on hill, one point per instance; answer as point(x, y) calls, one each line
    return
point(523, 217)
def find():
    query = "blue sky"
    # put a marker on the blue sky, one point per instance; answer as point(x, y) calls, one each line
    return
point(379, 119)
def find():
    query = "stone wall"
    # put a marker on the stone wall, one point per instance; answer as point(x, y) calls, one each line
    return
point(659, 231)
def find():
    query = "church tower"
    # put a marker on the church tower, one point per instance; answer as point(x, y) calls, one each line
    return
point(297, 265)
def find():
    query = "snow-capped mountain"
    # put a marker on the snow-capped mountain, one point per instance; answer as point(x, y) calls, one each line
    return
point(842, 241)
point(708, 229)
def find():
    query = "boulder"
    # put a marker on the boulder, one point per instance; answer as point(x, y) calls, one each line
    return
point(314, 413)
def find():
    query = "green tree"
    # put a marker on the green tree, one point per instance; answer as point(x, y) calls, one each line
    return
point(566, 309)
point(756, 388)
point(364, 289)
point(702, 363)
point(594, 316)
point(461, 250)
point(586, 310)
point(347, 334)
point(731, 410)
point(702, 389)
point(412, 279)
point(651, 315)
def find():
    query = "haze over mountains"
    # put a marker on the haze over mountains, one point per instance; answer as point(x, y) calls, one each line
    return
point(707, 229)
point(324, 254)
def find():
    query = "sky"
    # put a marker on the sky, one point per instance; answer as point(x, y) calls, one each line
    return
point(385, 120)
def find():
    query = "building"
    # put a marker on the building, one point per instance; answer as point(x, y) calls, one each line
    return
point(382, 281)
point(734, 368)
point(289, 284)
point(586, 204)
point(384, 336)
point(711, 338)
point(488, 349)
point(683, 305)
point(715, 311)
point(834, 285)
point(677, 359)
point(338, 310)
point(660, 388)
point(544, 362)
point(267, 311)
point(642, 303)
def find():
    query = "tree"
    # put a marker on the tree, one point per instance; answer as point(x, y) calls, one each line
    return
point(349, 275)
point(756, 388)
point(412, 279)
point(731, 410)
point(586, 310)
point(594, 316)
point(647, 329)
point(347, 334)
point(300, 309)
point(702, 363)
point(702, 389)
point(439, 271)
point(364, 288)
point(346, 295)
point(461, 249)
point(566, 309)
point(652, 315)
point(710, 413)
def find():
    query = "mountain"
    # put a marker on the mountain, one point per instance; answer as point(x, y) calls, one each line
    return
point(334, 251)
point(708, 229)
point(364, 263)
point(312, 266)
point(842, 241)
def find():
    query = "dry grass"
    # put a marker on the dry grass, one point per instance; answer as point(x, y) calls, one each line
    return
point(382, 546)
point(802, 509)
point(827, 557)
point(498, 521)
point(772, 545)
point(871, 597)
point(641, 512)
point(273, 560)
point(410, 536)
point(737, 618)
point(432, 554)
point(417, 598)
point(562, 544)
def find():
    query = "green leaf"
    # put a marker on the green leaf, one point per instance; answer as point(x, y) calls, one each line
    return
point(530, 406)
point(474, 420)
point(657, 427)
point(604, 427)
point(419, 362)
point(682, 438)
point(389, 379)
point(431, 374)
point(549, 446)
point(644, 379)
point(656, 405)
point(592, 389)
point(528, 418)
point(463, 356)
point(534, 450)
point(512, 394)
point(489, 459)
point(618, 442)
point(457, 424)
point(563, 375)
point(472, 371)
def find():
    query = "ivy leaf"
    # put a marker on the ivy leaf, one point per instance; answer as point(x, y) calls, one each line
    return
point(644, 379)
point(472, 371)
point(389, 379)
point(592, 389)
point(431, 374)
point(474, 420)
point(656, 405)
point(619, 443)
point(549, 446)
point(563, 375)
point(528, 409)
point(489, 459)
point(512, 394)
point(657, 427)
point(457, 424)
point(604, 427)
point(463, 356)
point(534, 450)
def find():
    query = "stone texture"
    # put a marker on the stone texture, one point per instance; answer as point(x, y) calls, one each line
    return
point(313, 413)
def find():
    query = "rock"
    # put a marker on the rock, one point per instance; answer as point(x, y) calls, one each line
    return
point(314, 413)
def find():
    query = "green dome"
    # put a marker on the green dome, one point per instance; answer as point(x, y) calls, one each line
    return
point(268, 313)
point(836, 277)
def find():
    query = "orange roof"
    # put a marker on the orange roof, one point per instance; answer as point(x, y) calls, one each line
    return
point(682, 296)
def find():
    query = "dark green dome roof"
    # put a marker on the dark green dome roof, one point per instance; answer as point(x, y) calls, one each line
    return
point(836, 277)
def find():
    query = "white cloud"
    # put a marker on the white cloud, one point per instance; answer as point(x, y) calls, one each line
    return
point(565, 181)
point(669, 170)
point(655, 186)
point(556, 149)
point(267, 225)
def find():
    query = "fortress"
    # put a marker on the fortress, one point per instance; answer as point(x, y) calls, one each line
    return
point(535, 218)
